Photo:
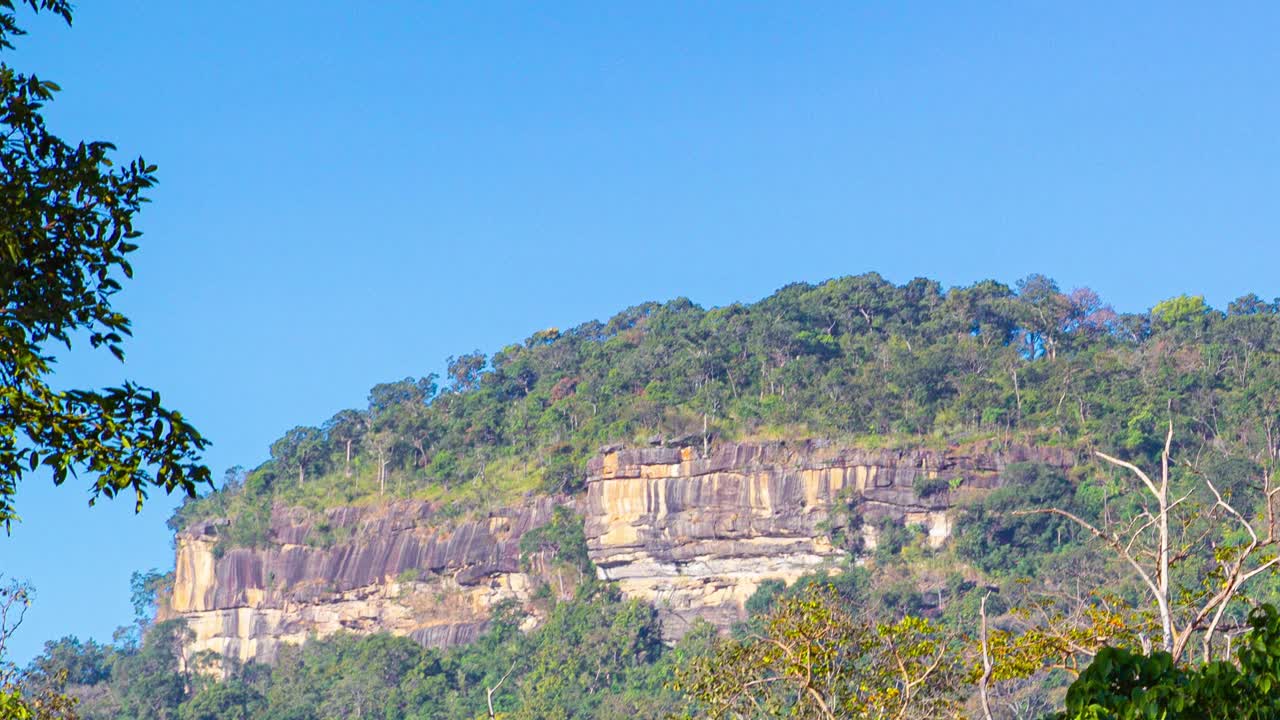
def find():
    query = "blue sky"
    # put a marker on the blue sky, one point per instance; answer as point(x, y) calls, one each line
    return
point(351, 192)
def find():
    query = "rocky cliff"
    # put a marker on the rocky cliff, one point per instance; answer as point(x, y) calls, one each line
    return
point(399, 568)
point(697, 535)
point(693, 535)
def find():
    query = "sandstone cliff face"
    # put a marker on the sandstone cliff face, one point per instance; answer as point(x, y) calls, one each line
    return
point(400, 570)
point(696, 536)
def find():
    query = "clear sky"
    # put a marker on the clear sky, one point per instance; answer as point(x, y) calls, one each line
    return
point(350, 192)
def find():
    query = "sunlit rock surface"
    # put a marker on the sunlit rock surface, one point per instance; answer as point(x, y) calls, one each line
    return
point(695, 536)
point(397, 570)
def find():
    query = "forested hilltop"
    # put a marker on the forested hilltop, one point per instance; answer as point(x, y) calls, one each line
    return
point(856, 358)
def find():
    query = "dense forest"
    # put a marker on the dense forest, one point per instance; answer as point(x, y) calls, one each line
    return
point(1043, 599)
point(857, 358)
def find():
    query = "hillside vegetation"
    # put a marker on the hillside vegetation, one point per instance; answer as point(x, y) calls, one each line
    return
point(856, 358)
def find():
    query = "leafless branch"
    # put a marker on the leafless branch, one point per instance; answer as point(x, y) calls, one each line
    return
point(984, 682)
point(488, 692)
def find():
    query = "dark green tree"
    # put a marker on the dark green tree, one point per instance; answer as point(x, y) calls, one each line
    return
point(1124, 685)
point(66, 231)
point(230, 700)
point(149, 682)
point(298, 450)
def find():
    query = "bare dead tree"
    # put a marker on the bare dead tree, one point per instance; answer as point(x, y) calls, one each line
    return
point(15, 599)
point(984, 682)
point(1146, 544)
point(489, 691)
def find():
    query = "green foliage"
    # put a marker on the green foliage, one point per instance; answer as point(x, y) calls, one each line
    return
point(87, 663)
point(149, 682)
point(17, 703)
point(301, 449)
point(1124, 685)
point(251, 526)
point(765, 597)
point(926, 486)
point(65, 237)
point(856, 359)
point(146, 590)
point(993, 536)
point(560, 540)
point(851, 585)
point(813, 658)
point(1180, 310)
point(230, 700)
point(892, 538)
point(443, 465)
point(409, 575)
point(595, 656)
point(844, 525)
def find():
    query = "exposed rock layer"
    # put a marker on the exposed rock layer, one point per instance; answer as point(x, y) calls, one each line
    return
point(695, 536)
point(401, 570)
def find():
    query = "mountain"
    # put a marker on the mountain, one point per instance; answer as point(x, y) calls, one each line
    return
point(586, 511)
point(704, 452)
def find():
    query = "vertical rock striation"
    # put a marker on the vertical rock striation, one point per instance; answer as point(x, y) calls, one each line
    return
point(399, 570)
point(696, 536)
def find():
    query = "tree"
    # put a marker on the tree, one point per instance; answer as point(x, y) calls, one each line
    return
point(1044, 312)
point(146, 591)
point(15, 600)
point(1180, 310)
point(465, 370)
point(152, 681)
point(404, 409)
point(347, 427)
point(383, 445)
point(815, 659)
point(66, 232)
point(19, 699)
point(299, 448)
point(71, 661)
point(229, 700)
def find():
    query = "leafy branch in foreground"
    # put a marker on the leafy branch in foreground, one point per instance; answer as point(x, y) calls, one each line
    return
point(1123, 684)
point(66, 231)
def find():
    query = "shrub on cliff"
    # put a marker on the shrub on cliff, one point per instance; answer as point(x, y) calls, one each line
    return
point(562, 539)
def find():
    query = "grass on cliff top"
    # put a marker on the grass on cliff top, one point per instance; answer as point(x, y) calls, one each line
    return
point(940, 440)
point(501, 483)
